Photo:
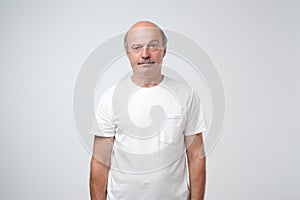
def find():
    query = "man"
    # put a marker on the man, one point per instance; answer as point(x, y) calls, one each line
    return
point(133, 160)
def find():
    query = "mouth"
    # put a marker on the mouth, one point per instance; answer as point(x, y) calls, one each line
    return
point(146, 62)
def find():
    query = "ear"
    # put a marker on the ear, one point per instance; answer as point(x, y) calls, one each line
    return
point(165, 51)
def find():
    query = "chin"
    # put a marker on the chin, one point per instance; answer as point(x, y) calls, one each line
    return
point(146, 66)
point(146, 69)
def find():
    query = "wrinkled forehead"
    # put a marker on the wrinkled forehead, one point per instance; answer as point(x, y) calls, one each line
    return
point(144, 36)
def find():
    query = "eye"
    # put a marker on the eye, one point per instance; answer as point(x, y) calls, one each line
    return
point(136, 48)
point(153, 46)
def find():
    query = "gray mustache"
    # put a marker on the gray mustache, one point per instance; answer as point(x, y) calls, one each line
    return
point(146, 62)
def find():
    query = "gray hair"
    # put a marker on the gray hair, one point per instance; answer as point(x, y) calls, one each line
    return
point(163, 36)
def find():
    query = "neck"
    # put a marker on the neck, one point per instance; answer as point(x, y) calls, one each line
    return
point(146, 80)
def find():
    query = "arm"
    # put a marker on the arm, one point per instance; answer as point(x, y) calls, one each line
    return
point(100, 167)
point(196, 165)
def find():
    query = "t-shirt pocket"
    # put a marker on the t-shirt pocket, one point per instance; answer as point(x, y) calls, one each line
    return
point(172, 131)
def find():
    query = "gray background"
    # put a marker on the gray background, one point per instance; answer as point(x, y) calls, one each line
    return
point(254, 44)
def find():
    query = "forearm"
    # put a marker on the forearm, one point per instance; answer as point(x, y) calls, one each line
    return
point(197, 175)
point(98, 180)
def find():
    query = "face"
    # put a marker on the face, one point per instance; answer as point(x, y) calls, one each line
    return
point(145, 49)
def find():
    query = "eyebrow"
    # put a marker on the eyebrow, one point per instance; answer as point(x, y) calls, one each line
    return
point(154, 41)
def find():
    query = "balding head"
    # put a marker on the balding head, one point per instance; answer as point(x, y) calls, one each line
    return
point(145, 25)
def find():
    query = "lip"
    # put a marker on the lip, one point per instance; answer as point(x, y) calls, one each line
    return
point(147, 63)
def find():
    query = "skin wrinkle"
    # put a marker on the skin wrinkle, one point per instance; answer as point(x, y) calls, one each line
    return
point(146, 64)
point(143, 24)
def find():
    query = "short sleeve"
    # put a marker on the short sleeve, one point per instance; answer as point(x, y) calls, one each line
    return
point(195, 119)
point(104, 124)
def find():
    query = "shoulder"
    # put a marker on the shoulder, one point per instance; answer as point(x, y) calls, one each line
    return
point(105, 98)
point(179, 86)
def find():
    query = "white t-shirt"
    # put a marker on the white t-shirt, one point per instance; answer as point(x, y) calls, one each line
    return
point(149, 124)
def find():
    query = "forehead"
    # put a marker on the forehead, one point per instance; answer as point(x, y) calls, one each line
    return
point(144, 35)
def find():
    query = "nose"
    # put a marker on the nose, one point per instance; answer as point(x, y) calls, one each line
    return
point(145, 53)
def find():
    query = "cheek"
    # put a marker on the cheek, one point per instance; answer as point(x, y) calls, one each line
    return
point(159, 56)
point(130, 57)
point(133, 59)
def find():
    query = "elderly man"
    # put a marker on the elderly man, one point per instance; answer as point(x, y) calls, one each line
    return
point(133, 160)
